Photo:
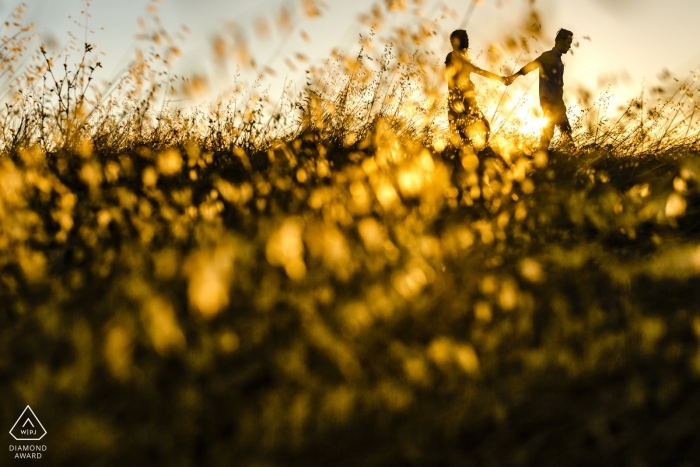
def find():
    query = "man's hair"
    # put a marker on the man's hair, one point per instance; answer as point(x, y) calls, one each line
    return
point(461, 34)
point(563, 34)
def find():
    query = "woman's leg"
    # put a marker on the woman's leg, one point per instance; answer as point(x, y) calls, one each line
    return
point(478, 129)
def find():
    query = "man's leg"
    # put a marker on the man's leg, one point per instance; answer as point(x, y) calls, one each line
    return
point(565, 130)
point(547, 133)
point(548, 130)
point(555, 113)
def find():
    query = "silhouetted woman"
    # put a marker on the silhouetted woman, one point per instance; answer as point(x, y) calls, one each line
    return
point(466, 119)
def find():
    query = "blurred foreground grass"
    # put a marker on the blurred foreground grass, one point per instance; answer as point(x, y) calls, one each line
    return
point(348, 293)
point(171, 306)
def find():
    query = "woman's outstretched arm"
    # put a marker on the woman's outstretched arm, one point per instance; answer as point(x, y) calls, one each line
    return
point(488, 74)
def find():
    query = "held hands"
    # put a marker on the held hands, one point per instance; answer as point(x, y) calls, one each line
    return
point(508, 80)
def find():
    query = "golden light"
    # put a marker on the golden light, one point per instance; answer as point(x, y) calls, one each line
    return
point(285, 248)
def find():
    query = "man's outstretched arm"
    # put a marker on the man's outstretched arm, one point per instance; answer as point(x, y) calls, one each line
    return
point(532, 66)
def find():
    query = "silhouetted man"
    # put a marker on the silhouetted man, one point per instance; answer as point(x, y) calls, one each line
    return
point(551, 87)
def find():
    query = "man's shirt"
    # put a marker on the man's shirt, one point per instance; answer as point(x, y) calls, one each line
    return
point(551, 76)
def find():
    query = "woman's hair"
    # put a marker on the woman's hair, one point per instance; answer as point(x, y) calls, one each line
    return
point(460, 34)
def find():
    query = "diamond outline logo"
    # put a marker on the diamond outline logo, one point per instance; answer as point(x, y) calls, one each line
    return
point(30, 422)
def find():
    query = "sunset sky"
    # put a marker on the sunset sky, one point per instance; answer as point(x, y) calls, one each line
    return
point(632, 41)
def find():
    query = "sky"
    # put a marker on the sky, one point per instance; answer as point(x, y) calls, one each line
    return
point(632, 41)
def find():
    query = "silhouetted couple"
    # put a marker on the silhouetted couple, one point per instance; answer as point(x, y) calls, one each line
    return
point(467, 122)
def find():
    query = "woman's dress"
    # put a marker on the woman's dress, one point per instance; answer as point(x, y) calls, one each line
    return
point(465, 117)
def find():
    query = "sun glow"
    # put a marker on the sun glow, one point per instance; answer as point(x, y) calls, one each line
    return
point(516, 120)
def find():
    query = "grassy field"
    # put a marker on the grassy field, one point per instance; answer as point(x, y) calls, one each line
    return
point(333, 284)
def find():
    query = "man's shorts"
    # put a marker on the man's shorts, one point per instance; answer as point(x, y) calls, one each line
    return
point(555, 112)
